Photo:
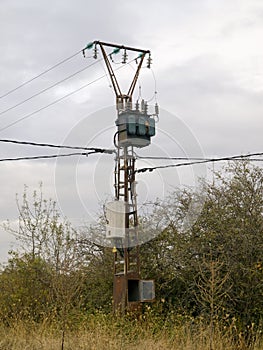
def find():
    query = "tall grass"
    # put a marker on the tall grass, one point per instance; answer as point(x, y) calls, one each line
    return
point(101, 331)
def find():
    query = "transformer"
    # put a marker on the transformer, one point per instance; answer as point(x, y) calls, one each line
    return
point(135, 128)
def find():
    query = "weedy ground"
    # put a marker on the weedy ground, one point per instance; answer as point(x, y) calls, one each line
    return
point(104, 332)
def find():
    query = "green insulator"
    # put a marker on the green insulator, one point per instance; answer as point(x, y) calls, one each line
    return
point(117, 50)
point(89, 46)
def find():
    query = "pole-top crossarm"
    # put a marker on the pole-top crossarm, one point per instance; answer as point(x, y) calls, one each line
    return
point(120, 97)
point(124, 47)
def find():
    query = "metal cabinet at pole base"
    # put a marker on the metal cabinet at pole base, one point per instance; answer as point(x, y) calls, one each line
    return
point(133, 288)
point(135, 129)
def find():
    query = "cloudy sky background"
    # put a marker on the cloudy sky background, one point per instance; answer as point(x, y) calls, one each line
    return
point(207, 71)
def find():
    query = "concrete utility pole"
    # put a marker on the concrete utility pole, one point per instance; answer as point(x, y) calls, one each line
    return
point(135, 127)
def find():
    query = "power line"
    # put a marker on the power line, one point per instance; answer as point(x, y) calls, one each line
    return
point(188, 158)
point(40, 74)
point(111, 151)
point(28, 143)
point(49, 156)
point(49, 87)
point(51, 104)
point(169, 158)
point(58, 100)
point(240, 157)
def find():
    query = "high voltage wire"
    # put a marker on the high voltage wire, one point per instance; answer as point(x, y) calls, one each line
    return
point(50, 87)
point(95, 149)
point(50, 104)
point(58, 100)
point(194, 160)
point(53, 67)
point(211, 160)
point(40, 74)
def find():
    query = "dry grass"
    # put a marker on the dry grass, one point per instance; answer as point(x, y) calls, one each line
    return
point(104, 334)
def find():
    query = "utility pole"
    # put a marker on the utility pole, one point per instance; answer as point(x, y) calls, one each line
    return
point(135, 127)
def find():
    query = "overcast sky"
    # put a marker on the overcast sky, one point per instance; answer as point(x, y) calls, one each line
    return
point(207, 70)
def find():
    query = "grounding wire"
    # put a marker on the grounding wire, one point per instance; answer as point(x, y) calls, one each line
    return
point(56, 101)
point(40, 74)
point(50, 87)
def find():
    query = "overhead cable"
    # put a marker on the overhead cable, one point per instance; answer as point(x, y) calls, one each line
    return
point(48, 156)
point(58, 100)
point(212, 160)
point(187, 158)
point(50, 87)
point(51, 104)
point(93, 150)
point(169, 158)
point(28, 143)
point(40, 74)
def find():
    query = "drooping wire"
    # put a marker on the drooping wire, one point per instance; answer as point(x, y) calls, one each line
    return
point(50, 87)
point(40, 74)
point(154, 97)
point(239, 157)
point(140, 85)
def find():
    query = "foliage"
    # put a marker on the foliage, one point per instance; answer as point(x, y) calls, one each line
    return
point(206, 260)
point(25, 291)
point(228, 232)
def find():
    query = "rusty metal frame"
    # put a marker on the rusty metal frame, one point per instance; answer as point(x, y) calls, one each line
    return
point(120, 97)
point(124, 190)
